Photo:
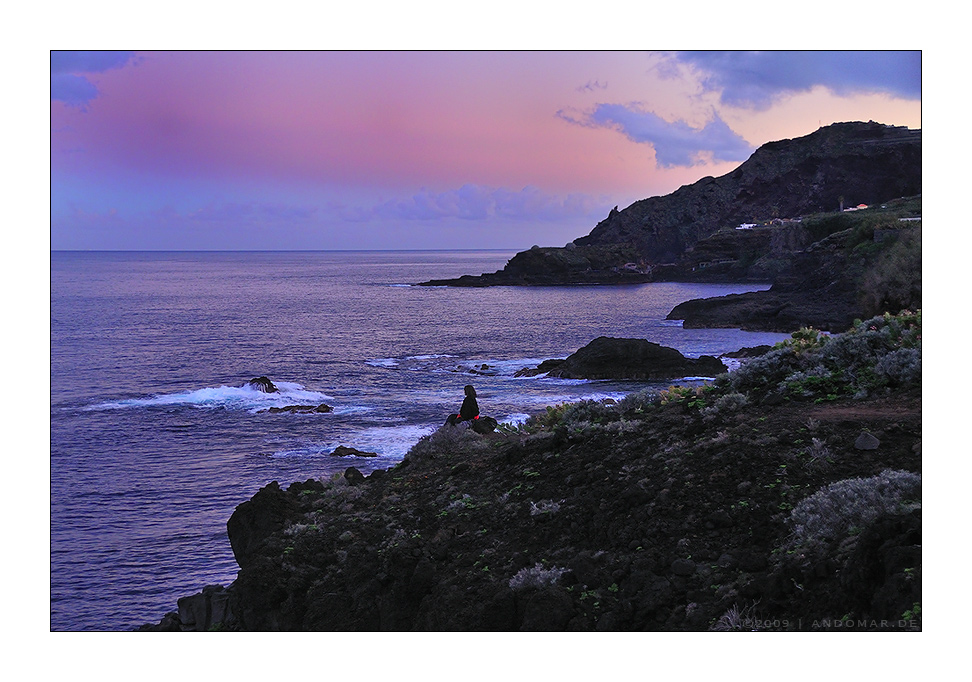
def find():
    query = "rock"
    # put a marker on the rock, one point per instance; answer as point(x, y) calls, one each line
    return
point(255, 520)
point(542, 368)
point(353, 476)
point(484, 425)
point(748, 352)
point(632, 359)
point(549, 609)
point(866, 441)
point(205, 610)
point(684, 567)
point(300, 409)
point(343, 451)
point(262, 384)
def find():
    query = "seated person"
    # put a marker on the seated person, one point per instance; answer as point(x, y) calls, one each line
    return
point(469, 409)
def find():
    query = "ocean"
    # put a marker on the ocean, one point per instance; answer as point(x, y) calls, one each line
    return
point(155, 438)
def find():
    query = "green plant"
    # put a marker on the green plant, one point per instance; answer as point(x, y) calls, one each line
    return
point(914, 613)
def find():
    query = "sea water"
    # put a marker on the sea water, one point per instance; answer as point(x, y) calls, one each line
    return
point(155, 437)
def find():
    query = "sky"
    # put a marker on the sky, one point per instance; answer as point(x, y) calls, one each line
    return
point(266, 150)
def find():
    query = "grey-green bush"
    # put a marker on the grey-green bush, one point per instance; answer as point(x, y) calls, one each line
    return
point(838, 510)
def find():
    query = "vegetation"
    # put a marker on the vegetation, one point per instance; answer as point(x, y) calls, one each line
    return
point(845, 508)
point(873, 357)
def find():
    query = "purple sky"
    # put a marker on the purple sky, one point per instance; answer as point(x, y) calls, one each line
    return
point(397, 150)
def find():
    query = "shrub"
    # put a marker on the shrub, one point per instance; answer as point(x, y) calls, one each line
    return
point(731, 402)
point(900, 367)
point(875, 353)
point(448, 441)
point(638, 402)
point(840, 509)
point(536, 577)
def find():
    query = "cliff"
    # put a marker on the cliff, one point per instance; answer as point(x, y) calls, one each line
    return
point(788, 197)
point(841, 165)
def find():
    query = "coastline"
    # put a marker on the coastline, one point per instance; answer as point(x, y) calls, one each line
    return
point(665, 512)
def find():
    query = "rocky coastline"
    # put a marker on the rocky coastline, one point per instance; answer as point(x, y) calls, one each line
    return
point(783, 496)
point(816, 217)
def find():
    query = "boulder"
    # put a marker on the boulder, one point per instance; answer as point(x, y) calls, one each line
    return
point(262, 384)
point(484, 425)
point(866, 441)
point(353, 476)
point(632, 359)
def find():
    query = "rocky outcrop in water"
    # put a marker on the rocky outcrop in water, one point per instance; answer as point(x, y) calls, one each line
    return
point(627, 359)
point(345, 451)
point(262, 384)
point(323, 408)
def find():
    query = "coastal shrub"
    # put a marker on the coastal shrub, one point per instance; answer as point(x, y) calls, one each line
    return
point(690, 396)
point(638, 402)
point(448, 441)
point(731, 402)
point(816, 382)
point(900, 367)
point(587, 412)
point(764, 373)
point(536, 577)
point(549, 419)
point(847, 507)
point(816, 366)
point(725, 404)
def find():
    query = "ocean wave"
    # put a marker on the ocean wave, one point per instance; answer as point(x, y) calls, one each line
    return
point(226, 397)
point(388, 442)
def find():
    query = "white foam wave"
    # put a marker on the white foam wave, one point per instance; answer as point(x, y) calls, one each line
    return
point(226, 397)
point(388, 442)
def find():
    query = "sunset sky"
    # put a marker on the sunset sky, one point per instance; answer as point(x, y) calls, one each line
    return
point(415, 150)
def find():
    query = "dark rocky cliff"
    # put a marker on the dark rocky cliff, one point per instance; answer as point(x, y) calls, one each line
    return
point(841, 165)
point(845, 163)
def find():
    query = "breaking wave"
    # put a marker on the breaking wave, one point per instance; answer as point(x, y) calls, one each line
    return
point(225, 397)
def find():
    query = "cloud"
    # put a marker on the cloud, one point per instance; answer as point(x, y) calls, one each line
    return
point(67, 83)
point(757, 79)
point(676, 143)
point(478, 203)
point(591, 86)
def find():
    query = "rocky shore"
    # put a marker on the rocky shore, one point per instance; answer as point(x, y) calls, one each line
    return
point(783, 496)
point(790, 216)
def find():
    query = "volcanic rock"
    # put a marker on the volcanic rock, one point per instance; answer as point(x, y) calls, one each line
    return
point(300, 409)
point(344, 451)
point(262, 384)
point(630, 359)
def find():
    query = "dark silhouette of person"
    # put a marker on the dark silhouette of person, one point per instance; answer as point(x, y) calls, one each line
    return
point(469, 410)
